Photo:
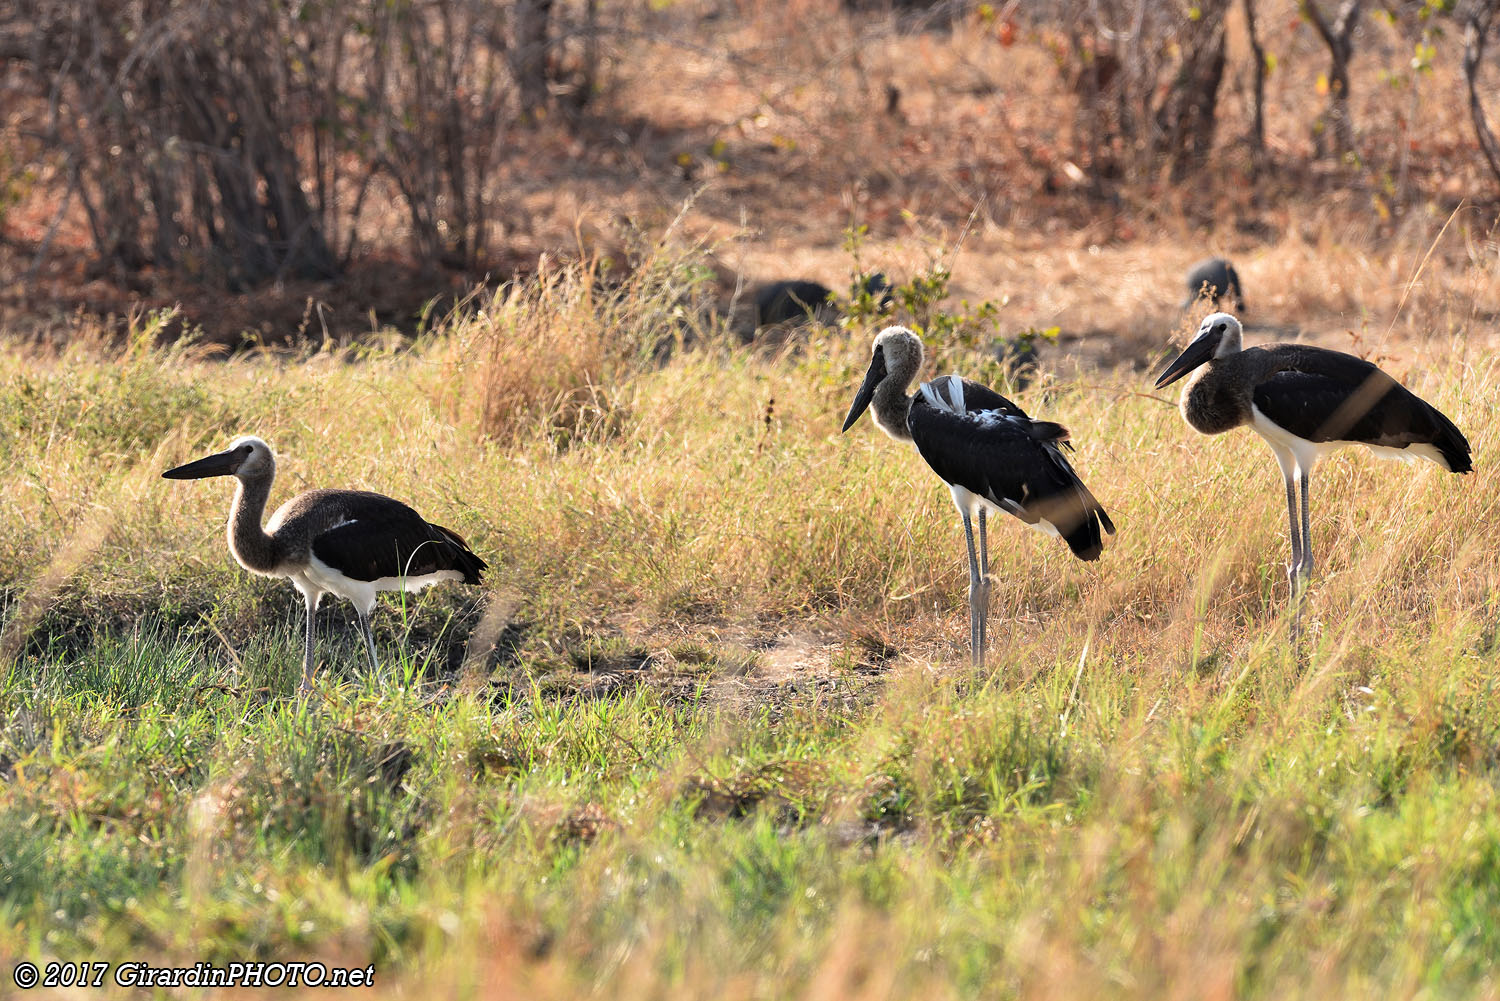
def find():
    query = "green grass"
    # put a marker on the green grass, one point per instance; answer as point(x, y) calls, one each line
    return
point(725, 743)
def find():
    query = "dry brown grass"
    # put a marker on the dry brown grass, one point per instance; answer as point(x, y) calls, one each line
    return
point(557, 352)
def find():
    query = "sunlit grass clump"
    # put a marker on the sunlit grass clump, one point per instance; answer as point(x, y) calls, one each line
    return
point(708, 732)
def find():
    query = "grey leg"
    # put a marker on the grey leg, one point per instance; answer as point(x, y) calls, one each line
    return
point(1294, 568)
point(1307, 557)
point(1289, 470)
point(1291, 514)
point(364, 628)
point(1302, 562)
point(307, 649)
point(984, 582)
point(976, 648)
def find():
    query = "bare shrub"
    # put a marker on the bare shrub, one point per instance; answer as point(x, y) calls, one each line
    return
point(172, 120)
point(238, 143)
point(1146, 80)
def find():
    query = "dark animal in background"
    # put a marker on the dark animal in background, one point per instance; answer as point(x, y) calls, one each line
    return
point(1017, 356)
point(878, 286)
point(791, 302)
point(1214, 279)
point(798, 301)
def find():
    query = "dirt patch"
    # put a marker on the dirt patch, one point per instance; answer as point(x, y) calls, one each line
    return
point(796, 656)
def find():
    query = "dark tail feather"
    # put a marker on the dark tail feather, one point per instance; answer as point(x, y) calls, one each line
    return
point(1048, 431)
point(464, 560)
point(1082, 522)
point(1450, 441)
point(1096, 509)
point(1085, 539)
point(1109, 526)
point(1088, 517)
point(1051, 433)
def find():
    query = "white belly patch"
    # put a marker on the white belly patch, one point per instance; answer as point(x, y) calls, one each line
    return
point(1307, 453)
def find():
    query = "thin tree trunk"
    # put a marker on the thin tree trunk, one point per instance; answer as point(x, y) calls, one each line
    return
point(1258, 125)
point(588, 79)
point(1339, 38)
point(1476, 34)
point(532, 47)
point(1188, 116)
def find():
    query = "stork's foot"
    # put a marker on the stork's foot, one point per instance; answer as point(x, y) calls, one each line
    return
point(1298, 602)
point(979, 607)
point(1298, 578)
point(984, 616)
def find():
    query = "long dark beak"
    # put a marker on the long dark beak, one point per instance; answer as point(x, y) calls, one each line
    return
point(1195, 354)
point(219, 464)
point(866, 390)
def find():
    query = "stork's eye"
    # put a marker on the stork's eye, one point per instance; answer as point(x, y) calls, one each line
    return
point(246, 449)
point(1218, 328)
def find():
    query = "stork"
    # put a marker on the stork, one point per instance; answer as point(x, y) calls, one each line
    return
point(349, 543)
point(990, 453)
point(1306, 401)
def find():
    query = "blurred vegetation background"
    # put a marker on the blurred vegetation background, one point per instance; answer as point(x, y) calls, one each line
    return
point(328, 166)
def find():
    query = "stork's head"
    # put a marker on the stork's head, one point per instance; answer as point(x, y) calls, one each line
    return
point(246, 458)
point(897, 356)
point(1219, 335)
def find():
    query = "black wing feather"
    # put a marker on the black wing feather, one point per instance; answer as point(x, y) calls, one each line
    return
point(382, 537)
point(1324, 395)
point(1015, 463)
point(981, 397)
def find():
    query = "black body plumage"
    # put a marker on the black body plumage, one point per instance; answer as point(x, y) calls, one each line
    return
point(1323, 395)
point(991, 454)
point(997, 452)
point(372, 537)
